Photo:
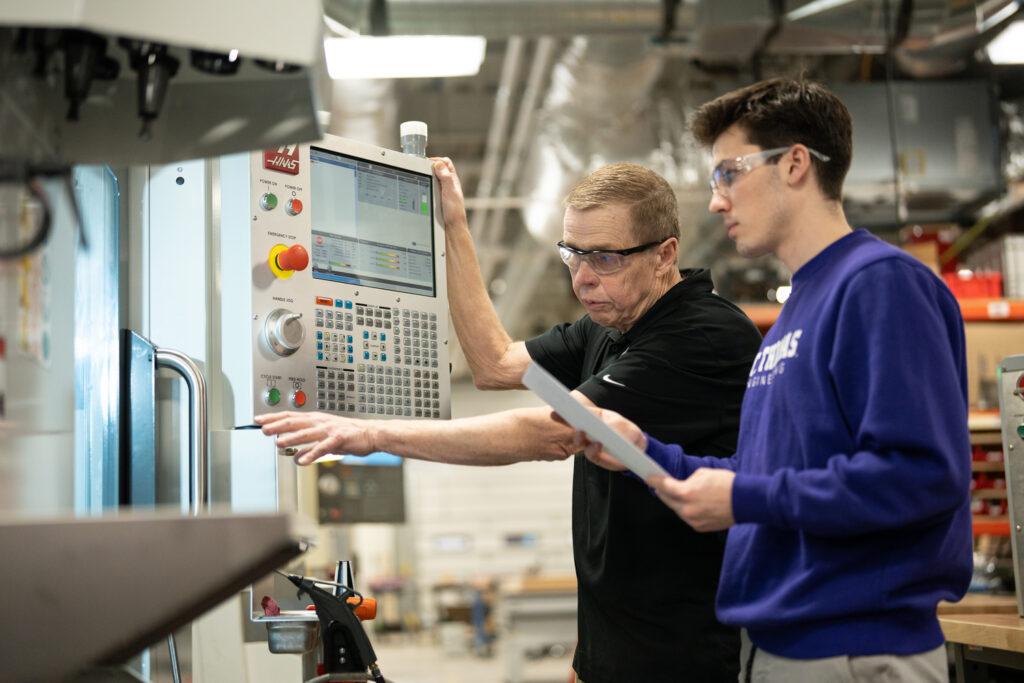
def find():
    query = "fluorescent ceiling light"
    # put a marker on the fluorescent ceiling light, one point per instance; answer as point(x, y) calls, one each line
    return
point(404, 56)
point(1008, 46)
point(815, 7)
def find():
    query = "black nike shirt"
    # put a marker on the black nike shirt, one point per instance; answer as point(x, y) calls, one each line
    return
point(647, 581)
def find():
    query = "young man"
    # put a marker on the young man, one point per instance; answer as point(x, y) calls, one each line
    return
point(657, 345)
point(847, 500)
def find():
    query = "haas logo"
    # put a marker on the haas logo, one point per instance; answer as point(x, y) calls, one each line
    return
point(284, 159)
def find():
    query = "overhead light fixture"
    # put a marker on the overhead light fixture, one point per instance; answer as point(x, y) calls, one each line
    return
point(815, 7)
point(404, 56)
point(1008, 46)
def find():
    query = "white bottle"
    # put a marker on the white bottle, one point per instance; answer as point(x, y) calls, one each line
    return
point(414, 138)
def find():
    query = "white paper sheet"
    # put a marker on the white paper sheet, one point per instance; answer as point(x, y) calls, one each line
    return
point(540, 382)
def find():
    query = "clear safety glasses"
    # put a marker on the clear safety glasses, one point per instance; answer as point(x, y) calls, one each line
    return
point(729, 170)
point(601, 261)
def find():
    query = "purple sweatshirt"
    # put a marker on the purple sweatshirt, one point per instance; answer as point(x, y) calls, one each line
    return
point(851, 495)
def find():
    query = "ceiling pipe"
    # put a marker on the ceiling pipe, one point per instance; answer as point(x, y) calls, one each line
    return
point(496, 131)
point(511, 305)
point(510, 172)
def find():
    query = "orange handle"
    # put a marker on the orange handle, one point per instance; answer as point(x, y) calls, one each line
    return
point(366, 611)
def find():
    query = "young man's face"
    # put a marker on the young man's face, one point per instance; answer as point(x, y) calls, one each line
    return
point(748, 196)
point(614, 300)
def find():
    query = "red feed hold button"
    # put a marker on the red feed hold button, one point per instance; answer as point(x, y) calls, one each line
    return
point(299, 399)
point(294, 257)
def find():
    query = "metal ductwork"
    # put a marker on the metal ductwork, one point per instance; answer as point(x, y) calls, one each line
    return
point(599, 109)
point(365, 110)
point(929, 37)
point(932, 37)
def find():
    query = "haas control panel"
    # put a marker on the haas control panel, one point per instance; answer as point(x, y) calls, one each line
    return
point(334, 281)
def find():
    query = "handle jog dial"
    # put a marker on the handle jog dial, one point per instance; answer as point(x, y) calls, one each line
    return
point(284, 331)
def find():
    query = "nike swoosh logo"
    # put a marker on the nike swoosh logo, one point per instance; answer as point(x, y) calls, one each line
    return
point(608, 378)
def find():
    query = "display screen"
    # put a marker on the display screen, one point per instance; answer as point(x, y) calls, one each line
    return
point(373, 224)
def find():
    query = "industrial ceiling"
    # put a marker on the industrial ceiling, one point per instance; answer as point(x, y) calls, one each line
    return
point(568, 86)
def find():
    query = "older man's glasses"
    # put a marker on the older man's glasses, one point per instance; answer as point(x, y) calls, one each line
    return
point(601, 261)
point(728, 171)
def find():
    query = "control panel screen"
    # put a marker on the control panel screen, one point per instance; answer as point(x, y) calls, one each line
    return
point(372, 224)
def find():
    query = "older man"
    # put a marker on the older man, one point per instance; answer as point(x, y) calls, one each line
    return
point(656, 345)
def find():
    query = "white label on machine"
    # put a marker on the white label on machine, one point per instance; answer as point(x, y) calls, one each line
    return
point(540, 382)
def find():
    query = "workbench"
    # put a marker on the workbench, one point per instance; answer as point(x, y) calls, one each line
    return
point(535, 612)
point(983, 630)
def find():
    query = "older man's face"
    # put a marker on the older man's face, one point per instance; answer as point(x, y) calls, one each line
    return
point(616, 300)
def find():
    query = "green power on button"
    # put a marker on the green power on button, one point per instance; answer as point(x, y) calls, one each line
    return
point(1020, 431)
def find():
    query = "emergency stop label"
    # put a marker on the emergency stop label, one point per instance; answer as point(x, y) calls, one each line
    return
point(284, 159)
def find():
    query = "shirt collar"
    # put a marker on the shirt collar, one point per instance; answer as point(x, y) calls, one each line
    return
point(695, 280)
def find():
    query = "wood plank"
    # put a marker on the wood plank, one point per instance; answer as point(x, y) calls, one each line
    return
point(980, 603)
point(999, 631)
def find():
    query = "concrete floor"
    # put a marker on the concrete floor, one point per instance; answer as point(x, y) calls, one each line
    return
point(421, 659)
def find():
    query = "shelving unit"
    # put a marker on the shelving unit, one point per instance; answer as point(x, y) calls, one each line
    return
point(973, 310)
point(977, 310)
point(989, 490)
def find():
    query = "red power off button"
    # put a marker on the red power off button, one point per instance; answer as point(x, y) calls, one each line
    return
point(293, 207)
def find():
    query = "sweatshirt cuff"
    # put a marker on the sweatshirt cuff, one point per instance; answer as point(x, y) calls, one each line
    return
point(750, 498)
point(669, 456)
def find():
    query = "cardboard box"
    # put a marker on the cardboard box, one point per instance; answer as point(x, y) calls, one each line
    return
point(988, 343)
point(925, 252)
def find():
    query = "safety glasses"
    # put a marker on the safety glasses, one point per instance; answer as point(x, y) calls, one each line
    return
point(601, 261)
point(728, 171)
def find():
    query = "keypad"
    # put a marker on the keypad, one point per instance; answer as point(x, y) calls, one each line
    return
point(377, 360)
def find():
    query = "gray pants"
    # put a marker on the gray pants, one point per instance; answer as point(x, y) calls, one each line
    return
point(927, 667)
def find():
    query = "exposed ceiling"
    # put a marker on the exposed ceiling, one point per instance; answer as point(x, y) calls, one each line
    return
point(567, 86)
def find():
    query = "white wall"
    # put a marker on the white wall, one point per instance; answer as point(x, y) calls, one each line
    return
point(483, 505)
point(479, 507)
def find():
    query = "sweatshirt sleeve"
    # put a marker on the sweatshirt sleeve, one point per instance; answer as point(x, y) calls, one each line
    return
point(898, 369)
point(681, 465)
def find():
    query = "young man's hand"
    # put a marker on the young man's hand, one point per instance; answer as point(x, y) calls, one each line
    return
point(703, 500)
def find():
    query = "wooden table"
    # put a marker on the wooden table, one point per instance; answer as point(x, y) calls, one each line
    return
point(983, 630)
point(980, 603)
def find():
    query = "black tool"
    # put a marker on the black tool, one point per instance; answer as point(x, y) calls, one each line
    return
point(346, 647)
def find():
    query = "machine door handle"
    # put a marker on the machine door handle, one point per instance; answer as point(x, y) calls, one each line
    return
point(183, 365)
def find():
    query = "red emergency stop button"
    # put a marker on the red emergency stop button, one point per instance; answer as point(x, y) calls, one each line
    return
point(294, 257)
point(299, 398)
point(293, 207)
